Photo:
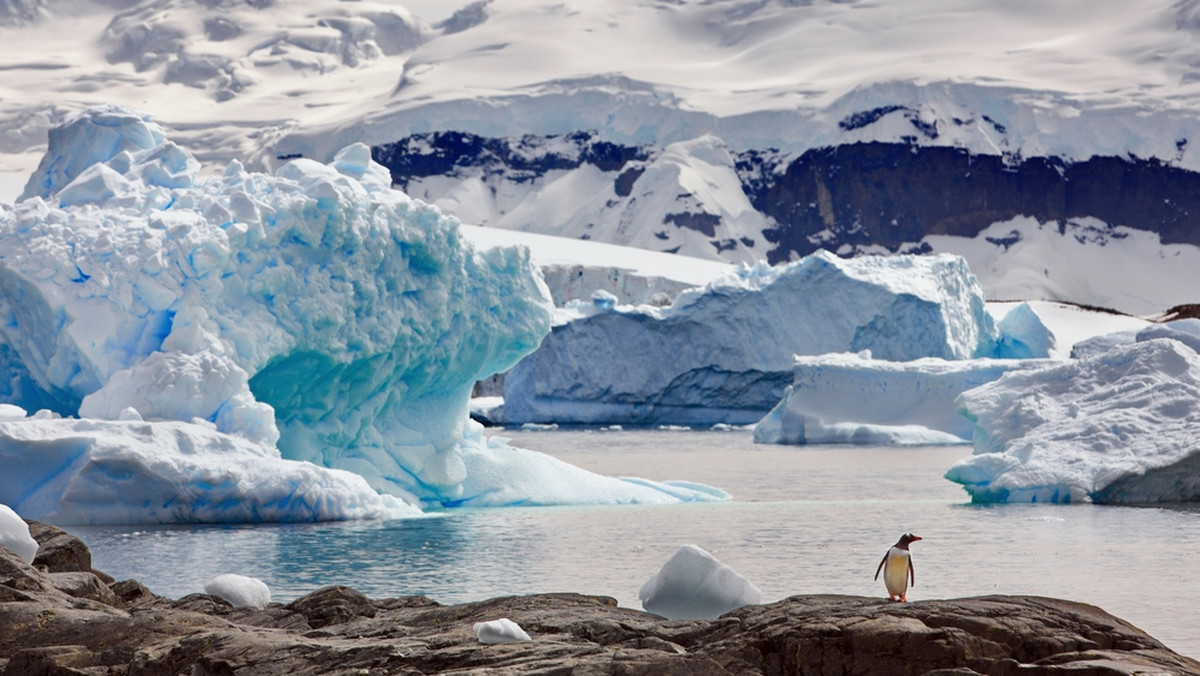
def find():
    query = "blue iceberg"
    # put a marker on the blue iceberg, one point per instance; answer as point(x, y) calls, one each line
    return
point(298, 346)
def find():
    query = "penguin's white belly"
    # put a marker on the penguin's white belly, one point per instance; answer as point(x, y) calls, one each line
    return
point(895, 571)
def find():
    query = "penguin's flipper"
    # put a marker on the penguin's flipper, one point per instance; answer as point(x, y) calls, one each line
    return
point(881, 565)
point(912, 572)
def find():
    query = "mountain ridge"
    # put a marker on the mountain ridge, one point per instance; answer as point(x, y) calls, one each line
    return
point(722, 116)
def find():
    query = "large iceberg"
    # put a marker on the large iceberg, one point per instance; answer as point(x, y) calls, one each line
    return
point(722, 353)
point(851, 398)
point(1115, 427)
point(314, 315)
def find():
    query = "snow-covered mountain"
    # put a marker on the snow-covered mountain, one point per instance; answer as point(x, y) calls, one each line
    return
point(1025, 136)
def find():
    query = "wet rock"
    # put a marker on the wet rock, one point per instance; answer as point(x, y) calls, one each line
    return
point(59, 623)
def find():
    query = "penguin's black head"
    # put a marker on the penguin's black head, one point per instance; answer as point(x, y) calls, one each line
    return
point(906, 540)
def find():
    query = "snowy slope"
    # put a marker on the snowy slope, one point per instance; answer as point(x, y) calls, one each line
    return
point(711, 118)
point(1053, 76)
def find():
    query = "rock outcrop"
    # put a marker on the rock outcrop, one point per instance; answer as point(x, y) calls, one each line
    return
point(850, 197)
point(59, 617)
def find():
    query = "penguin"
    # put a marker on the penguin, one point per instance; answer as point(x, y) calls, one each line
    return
point(897, 568)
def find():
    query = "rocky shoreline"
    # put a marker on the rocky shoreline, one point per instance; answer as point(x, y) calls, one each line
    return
point(60, 617)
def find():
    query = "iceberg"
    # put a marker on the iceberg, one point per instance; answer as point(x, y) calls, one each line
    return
point(1114, 427)
point(91, 472)
point(851, 398)
point(239, 590)
point(722, 353)
point(1186, 331)
point(255, 347)
point(14, 535)
point(693, 584)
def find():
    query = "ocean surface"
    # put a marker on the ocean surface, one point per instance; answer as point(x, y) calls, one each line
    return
point(803, 520)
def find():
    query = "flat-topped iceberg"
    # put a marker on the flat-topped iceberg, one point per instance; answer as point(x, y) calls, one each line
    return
point(851, 398)
point(722, 353)
point(315, 315)
point(1115, 427)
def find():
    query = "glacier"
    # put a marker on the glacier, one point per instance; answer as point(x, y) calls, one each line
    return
point(722, 353)
point(1116, 426)
point(188, 340)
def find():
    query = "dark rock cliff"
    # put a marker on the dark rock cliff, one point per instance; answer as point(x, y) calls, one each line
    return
point(60, 618)
point(847, 197)
point(889, 195)
point(521, 159)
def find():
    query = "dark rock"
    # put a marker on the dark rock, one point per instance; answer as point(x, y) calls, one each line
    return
point(333, 605)
point(447, 153)
point(1185, 311)
point(131, 592)
point(59, 551)
point(85, 585)
point(890, 194)
point(51, 625)
point(852, 197)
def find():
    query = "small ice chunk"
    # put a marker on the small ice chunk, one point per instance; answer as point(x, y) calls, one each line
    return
point(694, 585)
point(355, 161)
point(502, 630)
point(14, 534)
point(10, 412)
point(604, 300)
point(239, 590)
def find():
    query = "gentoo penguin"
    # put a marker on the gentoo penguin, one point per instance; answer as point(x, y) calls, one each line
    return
point(897, 568)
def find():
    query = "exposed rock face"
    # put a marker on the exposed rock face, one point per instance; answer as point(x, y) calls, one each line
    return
point(51, 624)
point(445, 153)
point(842, 198)
point(887, 195)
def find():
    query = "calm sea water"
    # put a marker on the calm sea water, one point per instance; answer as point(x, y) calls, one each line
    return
point(803, 520)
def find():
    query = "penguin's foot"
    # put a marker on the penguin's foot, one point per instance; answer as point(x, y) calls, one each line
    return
point(903, 599)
